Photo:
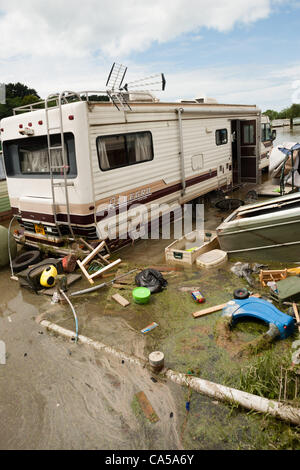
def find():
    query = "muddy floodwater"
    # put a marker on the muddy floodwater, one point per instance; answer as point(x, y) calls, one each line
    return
point(55, 394)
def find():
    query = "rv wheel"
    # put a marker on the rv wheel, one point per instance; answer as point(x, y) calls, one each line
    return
point(241, 294)
point(25, 259)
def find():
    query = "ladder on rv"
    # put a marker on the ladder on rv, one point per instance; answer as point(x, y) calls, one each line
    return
point(59, 99)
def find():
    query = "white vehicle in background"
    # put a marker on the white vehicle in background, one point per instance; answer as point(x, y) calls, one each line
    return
point(267, 137)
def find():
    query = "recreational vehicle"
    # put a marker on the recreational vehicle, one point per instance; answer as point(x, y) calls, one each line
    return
point(5, 210)
point(267, 138)
point(69, 160)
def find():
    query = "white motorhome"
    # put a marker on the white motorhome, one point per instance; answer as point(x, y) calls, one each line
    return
point(69, 158)
point(267, 137)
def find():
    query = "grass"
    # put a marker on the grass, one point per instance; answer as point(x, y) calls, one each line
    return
point(265, 376)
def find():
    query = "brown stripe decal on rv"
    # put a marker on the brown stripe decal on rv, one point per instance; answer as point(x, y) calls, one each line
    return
point(165, 191)
point(89, 218)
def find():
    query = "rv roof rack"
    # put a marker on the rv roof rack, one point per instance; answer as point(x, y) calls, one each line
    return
point(68, 97)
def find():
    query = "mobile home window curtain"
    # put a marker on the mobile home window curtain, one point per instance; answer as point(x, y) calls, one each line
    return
point(36, 161)
point(121, 150)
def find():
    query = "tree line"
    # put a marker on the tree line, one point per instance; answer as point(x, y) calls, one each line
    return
point(18, 94)
point(286, 113)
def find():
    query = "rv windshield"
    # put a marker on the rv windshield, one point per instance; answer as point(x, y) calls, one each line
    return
point(266, 132)
point(29, 157)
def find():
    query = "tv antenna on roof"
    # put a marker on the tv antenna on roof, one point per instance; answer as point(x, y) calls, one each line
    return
point(119, 94)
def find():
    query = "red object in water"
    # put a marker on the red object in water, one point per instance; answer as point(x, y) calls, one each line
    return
point(69, 263)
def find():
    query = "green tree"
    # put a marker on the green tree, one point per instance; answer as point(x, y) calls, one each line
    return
point(17, 94)
point(271, 114)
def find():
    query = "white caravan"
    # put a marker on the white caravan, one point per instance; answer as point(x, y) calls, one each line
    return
point(267, 137)
point(68, 159)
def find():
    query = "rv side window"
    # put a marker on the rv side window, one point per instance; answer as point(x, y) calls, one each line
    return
point(221, 136)
point(248, 134)
point(116, 151)
point(29, 157)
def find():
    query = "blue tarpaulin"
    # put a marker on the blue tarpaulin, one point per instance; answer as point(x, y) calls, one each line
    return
point(289, 151)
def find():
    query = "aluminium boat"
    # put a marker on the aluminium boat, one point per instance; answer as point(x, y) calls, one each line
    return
point(268, 230)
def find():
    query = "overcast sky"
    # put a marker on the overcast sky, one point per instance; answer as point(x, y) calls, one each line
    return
point(237, 51)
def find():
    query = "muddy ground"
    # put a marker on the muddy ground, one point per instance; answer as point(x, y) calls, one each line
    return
point(55, 394)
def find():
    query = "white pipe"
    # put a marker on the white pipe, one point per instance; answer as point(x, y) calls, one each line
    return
point(211, 389)
point(95, 344)
point(247, 400)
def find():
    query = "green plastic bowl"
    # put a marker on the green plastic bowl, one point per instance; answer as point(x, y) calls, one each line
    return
point(141, 295)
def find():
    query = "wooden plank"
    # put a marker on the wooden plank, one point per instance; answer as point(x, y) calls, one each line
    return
point(85, 272)
point(106, 268)
point(103, 258)
point(93, 254)
point(295, 308)
point(207, 311)
point(146, 407)
point(118, 298)
point(216, 308)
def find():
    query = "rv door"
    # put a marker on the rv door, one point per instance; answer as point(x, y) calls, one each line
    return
point(248, 151)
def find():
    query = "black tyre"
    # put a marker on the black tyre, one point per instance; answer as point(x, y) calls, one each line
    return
point(241, 294)
point(25, 259)
point(226, 205)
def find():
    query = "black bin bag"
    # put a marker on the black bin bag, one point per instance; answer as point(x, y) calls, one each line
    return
point(152, 279)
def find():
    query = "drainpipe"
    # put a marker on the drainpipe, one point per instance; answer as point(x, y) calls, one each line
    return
point(179, 111)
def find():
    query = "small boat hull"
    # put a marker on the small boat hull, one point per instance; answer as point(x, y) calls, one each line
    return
point(263, 232)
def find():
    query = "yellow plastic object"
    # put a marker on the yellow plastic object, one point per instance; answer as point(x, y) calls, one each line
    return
point(48, 276)
point(294, 271)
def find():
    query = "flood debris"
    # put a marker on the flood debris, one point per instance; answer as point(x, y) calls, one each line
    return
point(85, 262)
point(288, 289)
point(151, 279)
point(149, 328)
point(121, 300)
point(100, 286)
point(198, 297)
point(188, 248)
point(245, 270)
point(156, 361)
point(146, 407)
point(272, 276)
point(69, 263)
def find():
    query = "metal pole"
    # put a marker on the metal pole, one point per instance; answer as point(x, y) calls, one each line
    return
point(92, 289)
point(181, 153)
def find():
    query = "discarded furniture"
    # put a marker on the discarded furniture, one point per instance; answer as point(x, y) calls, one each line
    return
point(265, 231)
point(280, 324)
point(91, 249)
point(272, 276)
point(83, 264)
point(186, 249)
